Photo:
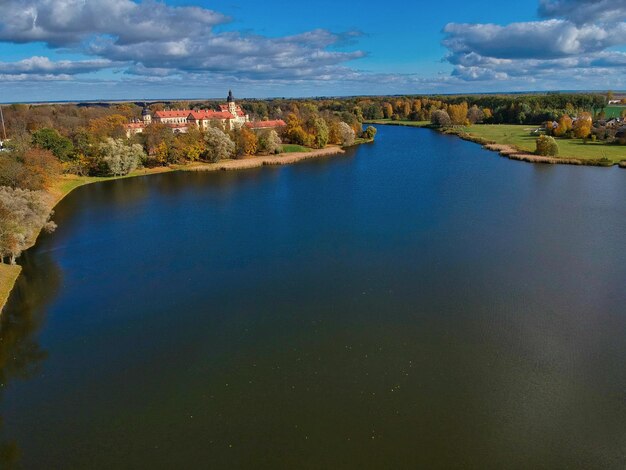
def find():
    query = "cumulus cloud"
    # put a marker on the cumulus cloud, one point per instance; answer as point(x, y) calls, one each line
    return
point(43, 65)
point(578, 37)
point(150, 37)
point(538, 39)
point(68, 22)
point(584, 11)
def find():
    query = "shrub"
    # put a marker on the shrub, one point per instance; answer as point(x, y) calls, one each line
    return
point(440, 118)
point(547, 146)
point(369, 133)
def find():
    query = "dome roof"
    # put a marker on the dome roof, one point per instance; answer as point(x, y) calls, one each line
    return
point(231, 98)
point(145, 111)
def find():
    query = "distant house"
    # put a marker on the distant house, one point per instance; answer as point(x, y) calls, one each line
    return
point(261, 125)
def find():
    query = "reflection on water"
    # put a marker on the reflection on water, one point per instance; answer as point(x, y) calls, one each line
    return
point(21, 355)
point(418, 303)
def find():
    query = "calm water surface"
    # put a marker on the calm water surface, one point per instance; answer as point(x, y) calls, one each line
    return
point(419, 302)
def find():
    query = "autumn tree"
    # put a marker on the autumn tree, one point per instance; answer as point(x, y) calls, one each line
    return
point(564, 126)
point(154, 136)
point(319, 130)
point(50, 139)
point(346, 134)
point(387, 110)
point(458, 114)
point(39, 169)
point(269, 142)
point(189, 146)
point(369, 133)
point(22, 214)
point(547, 146)
point(246, 141)
point(475, 115)
point(219, 145)
point(108, 126)
point(440, 118)
point(582, 126)
point(294, 131)
point(118, 158)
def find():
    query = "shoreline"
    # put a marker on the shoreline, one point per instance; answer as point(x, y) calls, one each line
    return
point(68, 183)
point(508, 151)
point(513, 153)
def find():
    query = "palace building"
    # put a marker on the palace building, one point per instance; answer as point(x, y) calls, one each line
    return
point(230, 116)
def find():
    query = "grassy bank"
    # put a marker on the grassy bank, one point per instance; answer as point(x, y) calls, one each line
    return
point(8, 276)
point(519, 137)
point(264, 160)
point(293, 148)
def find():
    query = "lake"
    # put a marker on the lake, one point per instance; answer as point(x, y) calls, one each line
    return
point(417, 303)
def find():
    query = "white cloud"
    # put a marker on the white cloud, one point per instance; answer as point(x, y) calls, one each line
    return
point(152, 37)
point(584, 11)
point(68, 22)
point(579, 38)
point(43, 65)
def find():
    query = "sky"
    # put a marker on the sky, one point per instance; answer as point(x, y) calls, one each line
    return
point(53, 50)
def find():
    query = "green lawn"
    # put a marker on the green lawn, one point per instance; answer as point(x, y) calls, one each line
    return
point(292, 148)
point(614, 111)
point(400, 123)
point(520, 136)
point(8, 276)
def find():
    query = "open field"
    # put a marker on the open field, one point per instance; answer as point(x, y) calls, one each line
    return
point(614, 111)
point(8, 276)
point(520, 136)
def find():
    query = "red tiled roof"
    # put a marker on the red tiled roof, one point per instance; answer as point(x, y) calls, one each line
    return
point(173, 113)
point(266, 124)
point(238, 110)
point(134, 125)
point(208, 114)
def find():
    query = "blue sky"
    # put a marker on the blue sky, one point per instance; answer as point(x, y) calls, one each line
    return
point(119, 49)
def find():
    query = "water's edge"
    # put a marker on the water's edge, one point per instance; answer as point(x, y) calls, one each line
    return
point(228, 165)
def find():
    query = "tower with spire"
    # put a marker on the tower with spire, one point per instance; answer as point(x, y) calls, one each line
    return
point(145, 115)
point(232, 107)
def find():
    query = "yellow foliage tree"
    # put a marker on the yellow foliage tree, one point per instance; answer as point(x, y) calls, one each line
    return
point(108, 126)
point(565, 125)
point(582, 126)
point(247, 142)
point(458, 114)
point(161, 153)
